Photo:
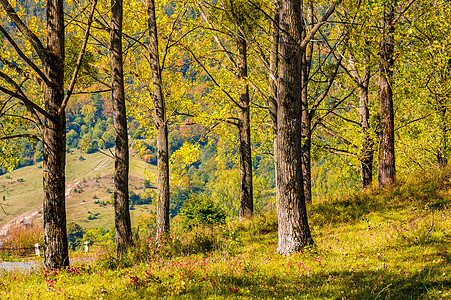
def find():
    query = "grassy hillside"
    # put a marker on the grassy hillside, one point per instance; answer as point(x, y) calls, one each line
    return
point(89, 179)
point(377, 245)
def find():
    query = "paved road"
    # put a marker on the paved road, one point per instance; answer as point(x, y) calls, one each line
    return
point(20, 266)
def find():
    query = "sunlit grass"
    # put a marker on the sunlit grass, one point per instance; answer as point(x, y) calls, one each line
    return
point(375, 245)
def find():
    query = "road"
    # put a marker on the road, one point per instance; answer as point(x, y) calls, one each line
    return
point(20, 266)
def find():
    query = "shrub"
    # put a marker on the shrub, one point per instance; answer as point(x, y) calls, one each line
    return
point(199, 210)
point(23, 237)
point(145, 226)
point(74, 235)
point(147, 183)
point(100, 237)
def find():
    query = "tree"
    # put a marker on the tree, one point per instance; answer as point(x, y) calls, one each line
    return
point(423, 88)
point(50, 119)
point(121, 166)
point(306, 130)
point(294, 231)
point(311, 78)
point(242, 18)
point(160, 123)
point(244, 129)
point(358, 65)
point(387, 170)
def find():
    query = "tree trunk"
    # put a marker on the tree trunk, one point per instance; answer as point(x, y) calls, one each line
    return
point(55, 234)
point(244, 128)
point(366, 158)
point(306, 157)
point(442, 151)
point(273, 81)
point(163, 225)
point(387, 171)
point(306, 132)
point(294, 231)
point(121, 166)
point(273, 71)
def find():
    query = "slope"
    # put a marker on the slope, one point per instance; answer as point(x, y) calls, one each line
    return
point(89, 186)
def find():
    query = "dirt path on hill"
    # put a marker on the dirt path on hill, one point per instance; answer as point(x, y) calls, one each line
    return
point(73, 184)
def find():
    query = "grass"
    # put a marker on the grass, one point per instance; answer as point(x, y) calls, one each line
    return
point(392, 244)
point(91, 176)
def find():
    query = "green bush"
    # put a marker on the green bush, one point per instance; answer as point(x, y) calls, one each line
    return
point(100, 236)
point(199, 210)
point(74, 235)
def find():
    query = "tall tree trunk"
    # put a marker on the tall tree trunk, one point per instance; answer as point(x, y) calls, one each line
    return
point(273, 80)
point(306, 132)
point(442, 158)
point(244, 128)
point(55, 234)
point(366, 158)
point(121, 166)
point(294, 232)
point(273, 71)
point(163, 225)
point(387, 171)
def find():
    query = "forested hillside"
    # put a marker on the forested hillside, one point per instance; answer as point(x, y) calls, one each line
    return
point(238, 107)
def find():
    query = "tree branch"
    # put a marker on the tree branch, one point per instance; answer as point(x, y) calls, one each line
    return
point(29, 35)
point(331, 109)
point(218, 41)
point(211, 76)
point(24, 57)
point(327, 89)
point(31, 106)
point(318, 25)
point(28, 135)
point(21, 71)
point(79, 61)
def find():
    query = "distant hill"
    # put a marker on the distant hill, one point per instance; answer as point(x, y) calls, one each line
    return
point(89, 186)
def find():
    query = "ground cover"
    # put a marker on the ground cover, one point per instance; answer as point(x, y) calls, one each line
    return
point(392, 244)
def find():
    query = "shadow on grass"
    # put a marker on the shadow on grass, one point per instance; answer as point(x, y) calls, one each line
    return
point(360, 284)
point(350, 208)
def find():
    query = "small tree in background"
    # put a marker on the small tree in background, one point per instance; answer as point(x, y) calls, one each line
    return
point(198, 210)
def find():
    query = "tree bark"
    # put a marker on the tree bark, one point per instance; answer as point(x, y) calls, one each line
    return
point(387, 171)
point(442, 151)
point(306, 131)
point(273, 71)
point(121, 166)
point(54, 164)
point(163, 225)
point(293, 230)
point(244, 128)
point(273, 80)
point(367, 155)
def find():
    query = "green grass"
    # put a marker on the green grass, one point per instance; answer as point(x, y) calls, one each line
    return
point(376, 245)
point(92, 175)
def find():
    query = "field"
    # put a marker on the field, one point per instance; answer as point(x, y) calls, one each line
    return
point(392, 244)
point(89, 185)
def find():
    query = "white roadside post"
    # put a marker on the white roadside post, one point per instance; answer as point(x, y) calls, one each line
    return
point(86, 246)
point(36, 247)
